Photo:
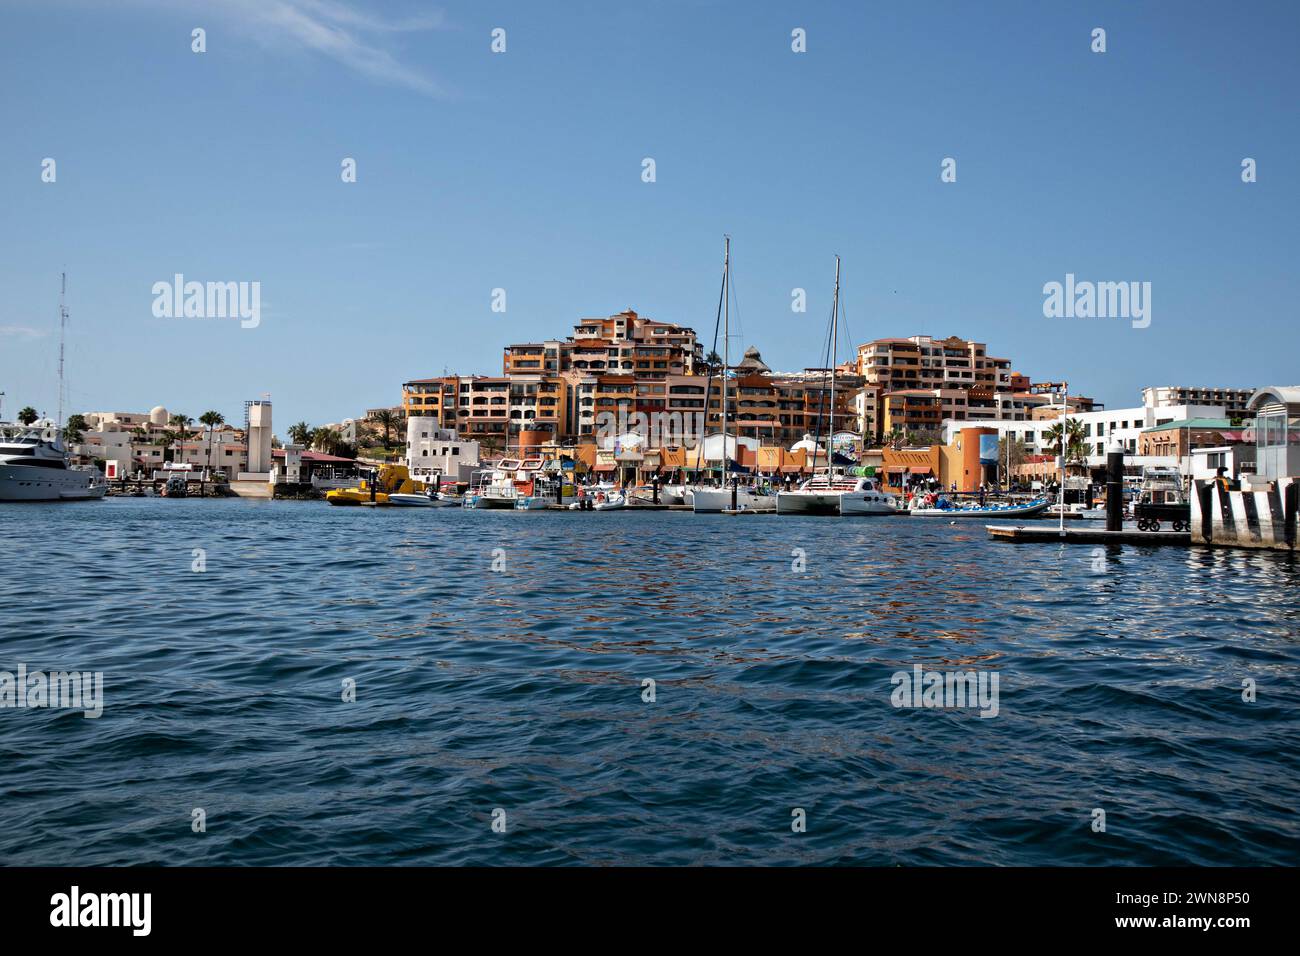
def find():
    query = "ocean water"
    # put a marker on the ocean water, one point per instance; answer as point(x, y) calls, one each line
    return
point(517, 695)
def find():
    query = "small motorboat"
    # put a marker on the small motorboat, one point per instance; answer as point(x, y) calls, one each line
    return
point(533, 502)
point(380, 488)
point(1028, 509)
point(1078, 511)
point(609, 501)
point(412, 500)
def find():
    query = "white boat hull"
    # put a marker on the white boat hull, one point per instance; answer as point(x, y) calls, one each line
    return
point(34, 483)
point(719, 499)
point(1083, 514)
point(533, 503)
point(489, 501)
point(806, 503)
point(411, 501)
point(839, 502)
point(672, 495)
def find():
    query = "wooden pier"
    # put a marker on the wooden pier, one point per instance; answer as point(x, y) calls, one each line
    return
point(1042, 535)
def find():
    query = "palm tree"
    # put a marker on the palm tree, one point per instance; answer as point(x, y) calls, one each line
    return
point(386, 419)
point(27, 415)
point(300, 434)
point(182, 424)
point(72, 430)
point(212, 420)
point(1072, 430)
point(327, 440)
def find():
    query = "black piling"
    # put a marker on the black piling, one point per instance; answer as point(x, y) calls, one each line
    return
point(1115, 491)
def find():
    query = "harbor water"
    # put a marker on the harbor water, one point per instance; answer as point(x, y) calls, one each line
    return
point(501, 665)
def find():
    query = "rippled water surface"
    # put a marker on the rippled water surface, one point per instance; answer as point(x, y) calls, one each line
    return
point(1120, 678)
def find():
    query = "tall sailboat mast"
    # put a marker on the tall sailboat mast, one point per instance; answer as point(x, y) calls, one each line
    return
point(63, 326)
point(835, 341)
point(726, 346)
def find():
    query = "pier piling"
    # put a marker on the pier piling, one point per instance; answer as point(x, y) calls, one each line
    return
point(1115, 490)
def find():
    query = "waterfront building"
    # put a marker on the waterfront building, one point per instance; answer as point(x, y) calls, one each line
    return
point(1178, 439)
point(1101, 428)
point(1236, 460)
point(1277, 432)
point(295, 468)
point(434, 453)
point(224, 451)
point(919, 382)
point(622, 344)
point(132, 441)
point(1233, 401)
point(1262, 512)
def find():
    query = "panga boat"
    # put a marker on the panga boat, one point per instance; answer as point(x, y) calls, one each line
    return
point(379, 489)
point(943, 509)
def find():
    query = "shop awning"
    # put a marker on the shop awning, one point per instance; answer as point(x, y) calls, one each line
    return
point(921, 470)
point(605, 466)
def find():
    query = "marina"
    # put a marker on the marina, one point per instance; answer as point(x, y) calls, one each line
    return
point(369, 500)
point(482, 688)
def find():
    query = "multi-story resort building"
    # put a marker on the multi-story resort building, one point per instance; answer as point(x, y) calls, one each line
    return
point(592, 383)
point(920, 382)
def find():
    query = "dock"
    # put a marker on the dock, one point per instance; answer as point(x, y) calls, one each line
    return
point(1041, 534)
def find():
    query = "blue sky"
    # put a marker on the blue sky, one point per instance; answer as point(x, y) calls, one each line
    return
point(522, 171)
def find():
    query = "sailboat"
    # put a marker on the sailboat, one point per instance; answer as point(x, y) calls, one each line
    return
point(732, 498)
point(846, 491)
point(34, 464)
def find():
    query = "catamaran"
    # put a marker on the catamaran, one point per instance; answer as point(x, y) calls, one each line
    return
point(850, 491)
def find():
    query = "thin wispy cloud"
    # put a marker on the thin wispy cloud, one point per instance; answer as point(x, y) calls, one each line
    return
point(21, 332)
point(338, 30)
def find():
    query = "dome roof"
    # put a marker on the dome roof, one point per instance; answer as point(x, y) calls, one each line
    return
point(158, 415)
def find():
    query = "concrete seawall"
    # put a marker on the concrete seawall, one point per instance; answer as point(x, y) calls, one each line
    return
point(1246, 519)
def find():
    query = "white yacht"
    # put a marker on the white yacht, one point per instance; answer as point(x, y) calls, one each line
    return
point(34, 467)
point(719, 499)
point(837, 494)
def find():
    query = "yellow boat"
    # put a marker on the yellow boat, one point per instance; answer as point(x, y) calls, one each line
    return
point(390, 480)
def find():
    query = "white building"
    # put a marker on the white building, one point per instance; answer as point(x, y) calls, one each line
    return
point(259, 441)
point(1231, 400)
point(1100, 430)
point(434, 453)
